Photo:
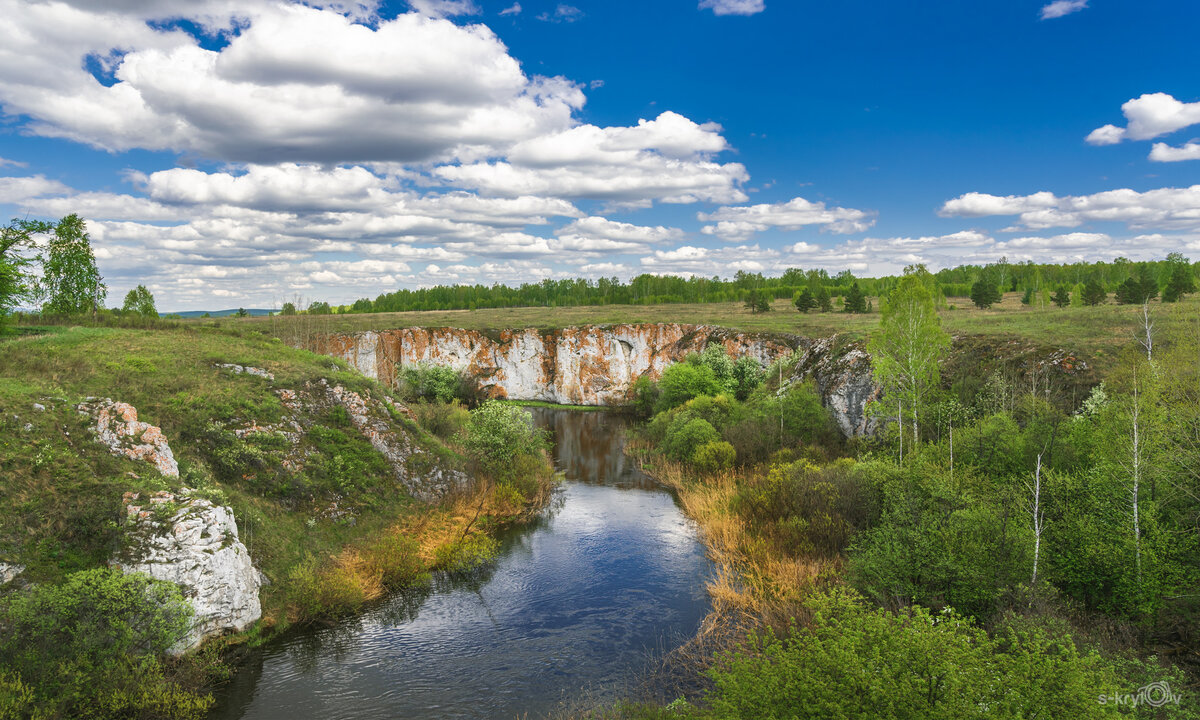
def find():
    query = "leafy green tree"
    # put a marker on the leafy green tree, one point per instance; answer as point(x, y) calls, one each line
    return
point(498, 436)
point(288, 309)
point(747, 375)
point(804, 300)
point(434, 382)
point(683, 381)
point(757, 302)
point(1062, 296)
point(1093, 293)
point(320, 307)
point(17, 286)
point(820, 293)
point(1140, 289)
point(855, 302)
point(908, 347)
point(139, 301)
point(684, 438)
point(1181, 281)
point(985, 294)
point(242, 312)
point(71, 280)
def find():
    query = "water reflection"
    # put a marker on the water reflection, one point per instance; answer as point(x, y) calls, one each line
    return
point(574, 602)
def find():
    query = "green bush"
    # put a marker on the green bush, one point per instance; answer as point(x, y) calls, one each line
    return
point(856, 662)
point(683, 381)
point(442, 419)
point(396, 558)
point(714, 456)
point(942, 542)
point(466, 554)
point(808, 509)
point(747, 375)
point(436, 383)
point(318, 591)
point(497, 435)
point(685, 436)
point(87, 648)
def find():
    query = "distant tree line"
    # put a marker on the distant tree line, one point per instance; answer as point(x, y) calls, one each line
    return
point(1041, 284)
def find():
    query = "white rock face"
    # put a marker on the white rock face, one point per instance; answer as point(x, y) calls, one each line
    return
point(589, 365)
point(9, 572)
point(845, 382)
point(597, 365)
point(196, 547)
point(118, 427)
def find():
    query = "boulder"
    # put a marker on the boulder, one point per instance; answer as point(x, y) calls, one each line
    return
point(195, 544)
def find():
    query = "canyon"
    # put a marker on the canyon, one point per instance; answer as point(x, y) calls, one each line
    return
point(598, 364)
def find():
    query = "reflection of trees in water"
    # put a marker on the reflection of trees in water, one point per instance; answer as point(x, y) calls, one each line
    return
point(308, 649)
point(589, 447)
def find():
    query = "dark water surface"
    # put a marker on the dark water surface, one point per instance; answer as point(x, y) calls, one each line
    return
point(575, 602)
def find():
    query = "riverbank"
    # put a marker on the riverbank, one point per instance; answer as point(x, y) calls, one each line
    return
point(572, 600)
point(323, 490)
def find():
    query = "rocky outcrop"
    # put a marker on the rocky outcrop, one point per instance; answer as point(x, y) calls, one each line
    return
point(589, 365)
point(844, 380)
point(239, 369)
point(420, 473)
point(117, 426)
point(9, 572)
point(194, 544)
point(597, 364)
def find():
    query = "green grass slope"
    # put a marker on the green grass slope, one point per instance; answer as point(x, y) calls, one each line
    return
point(61, 490)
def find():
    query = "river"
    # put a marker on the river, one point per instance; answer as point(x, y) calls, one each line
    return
point(576, 603)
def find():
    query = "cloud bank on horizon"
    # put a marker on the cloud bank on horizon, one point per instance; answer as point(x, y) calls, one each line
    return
point(337, 150)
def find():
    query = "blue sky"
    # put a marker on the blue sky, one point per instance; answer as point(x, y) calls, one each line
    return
point(247, 153)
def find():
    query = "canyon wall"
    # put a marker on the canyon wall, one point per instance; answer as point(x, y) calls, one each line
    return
point(597, 364)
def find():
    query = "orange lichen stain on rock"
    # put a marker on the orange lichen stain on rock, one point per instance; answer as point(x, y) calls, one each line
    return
point(591, 365)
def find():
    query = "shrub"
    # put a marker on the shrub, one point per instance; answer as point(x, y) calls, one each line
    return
point(437, 383)
point(685, 436)
point(316, 591)
point(442, 419)
point(747, 375)
point(644, 395)
point(466, 554)
point(854, 661)
point(809, 509)
point(683, 381)
point(87, 648)
point(714, 456)
point(395, 558)
point(497, 435)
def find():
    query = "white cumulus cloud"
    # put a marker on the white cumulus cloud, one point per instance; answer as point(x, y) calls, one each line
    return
point(297, 83)
point(733, 7)
point(1162, 152)
point(1148, 116)
point(1165, 208)
point(737, 224)
point(1059, 8)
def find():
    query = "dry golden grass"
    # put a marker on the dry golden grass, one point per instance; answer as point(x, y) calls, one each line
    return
point(753, 584)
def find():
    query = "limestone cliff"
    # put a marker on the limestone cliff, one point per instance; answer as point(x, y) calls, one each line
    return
point(597, 364)
point(195, 544)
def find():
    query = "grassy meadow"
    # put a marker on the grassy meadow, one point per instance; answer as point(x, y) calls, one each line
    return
point(1094, 332)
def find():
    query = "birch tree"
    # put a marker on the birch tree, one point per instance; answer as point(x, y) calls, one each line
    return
point(909, 345)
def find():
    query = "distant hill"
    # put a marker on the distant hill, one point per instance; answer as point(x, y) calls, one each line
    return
point(254, 312)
